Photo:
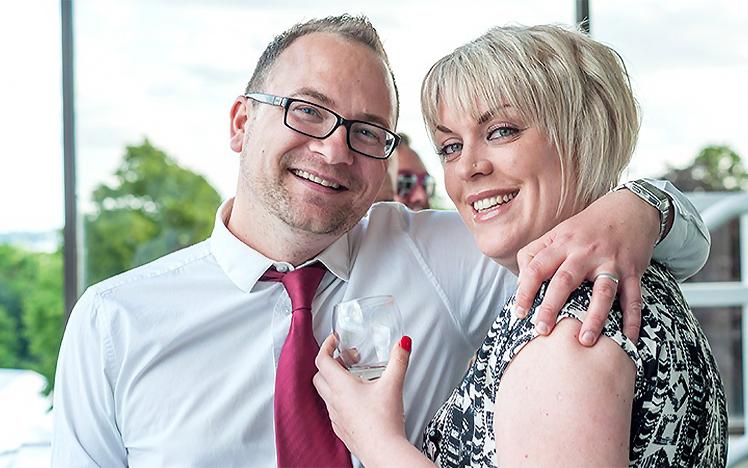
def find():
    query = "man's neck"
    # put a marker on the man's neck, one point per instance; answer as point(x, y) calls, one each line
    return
point(273, 238)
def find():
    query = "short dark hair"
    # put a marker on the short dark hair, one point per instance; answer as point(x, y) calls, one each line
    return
point(404, 138)
point(354, 28)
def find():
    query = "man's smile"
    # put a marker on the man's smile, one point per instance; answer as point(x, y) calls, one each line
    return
point(319, 180)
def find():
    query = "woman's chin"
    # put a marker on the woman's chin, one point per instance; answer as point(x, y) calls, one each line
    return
point(507, 259)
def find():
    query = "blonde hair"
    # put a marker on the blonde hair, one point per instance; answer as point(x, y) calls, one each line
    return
point(574, 89)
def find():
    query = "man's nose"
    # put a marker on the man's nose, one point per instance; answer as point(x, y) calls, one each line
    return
point(334, 148)
point(419, 195)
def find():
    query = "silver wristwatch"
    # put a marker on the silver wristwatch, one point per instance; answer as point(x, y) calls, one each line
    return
point(652, 196)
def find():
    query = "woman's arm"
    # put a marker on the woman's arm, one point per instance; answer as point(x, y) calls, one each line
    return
point(562, 404)
point(368, 416)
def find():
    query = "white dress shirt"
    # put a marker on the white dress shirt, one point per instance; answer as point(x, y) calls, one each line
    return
point(172, 364)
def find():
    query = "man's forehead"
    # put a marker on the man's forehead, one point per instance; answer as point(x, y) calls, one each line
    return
point(336, 72)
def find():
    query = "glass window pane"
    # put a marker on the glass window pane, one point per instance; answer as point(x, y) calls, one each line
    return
point(31, 218)
point(723, 263)
point(722, 327)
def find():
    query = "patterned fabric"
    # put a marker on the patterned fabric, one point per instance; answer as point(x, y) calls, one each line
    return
point(679, 416)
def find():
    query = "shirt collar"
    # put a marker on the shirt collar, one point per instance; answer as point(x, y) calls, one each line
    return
point(244, 265)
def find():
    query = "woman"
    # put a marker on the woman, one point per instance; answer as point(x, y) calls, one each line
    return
point(532, 125)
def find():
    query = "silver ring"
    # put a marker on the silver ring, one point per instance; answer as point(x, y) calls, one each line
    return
point(610, 276)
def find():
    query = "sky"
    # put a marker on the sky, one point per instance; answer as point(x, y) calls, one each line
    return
point(169, 71)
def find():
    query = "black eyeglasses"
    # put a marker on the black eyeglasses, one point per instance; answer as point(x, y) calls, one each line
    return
point(320, 122)
point(407, 182)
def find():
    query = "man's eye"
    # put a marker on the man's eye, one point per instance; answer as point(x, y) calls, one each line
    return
point(368, 134)
point(307, 111)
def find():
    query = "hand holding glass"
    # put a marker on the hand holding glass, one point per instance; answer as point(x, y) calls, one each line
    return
point(366, 329)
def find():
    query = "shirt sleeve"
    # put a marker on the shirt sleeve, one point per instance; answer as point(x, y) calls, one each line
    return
point(85, 432)
point(685, 249)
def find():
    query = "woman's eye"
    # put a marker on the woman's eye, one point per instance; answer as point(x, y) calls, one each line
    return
point(503, 132)
point(449, 151)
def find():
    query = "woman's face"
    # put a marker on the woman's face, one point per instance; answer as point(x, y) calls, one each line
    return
point(503, 175)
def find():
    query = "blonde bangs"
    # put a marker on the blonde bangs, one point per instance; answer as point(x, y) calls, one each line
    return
point(470, 81)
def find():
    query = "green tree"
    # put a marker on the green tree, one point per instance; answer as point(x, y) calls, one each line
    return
point(716, 168)
point(154, 207)
point(8, 341)
point(42, 320)
point(18, 269)
point(31, 310)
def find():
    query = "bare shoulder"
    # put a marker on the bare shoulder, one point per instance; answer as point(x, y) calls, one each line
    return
point(563, 404)
point(561, 350)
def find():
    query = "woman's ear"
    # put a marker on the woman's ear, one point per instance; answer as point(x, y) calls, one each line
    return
point(238, 121)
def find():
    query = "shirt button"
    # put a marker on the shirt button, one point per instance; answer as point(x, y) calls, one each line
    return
point(281, 268)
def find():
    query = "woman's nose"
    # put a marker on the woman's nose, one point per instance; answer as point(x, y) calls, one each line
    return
point(472, 163)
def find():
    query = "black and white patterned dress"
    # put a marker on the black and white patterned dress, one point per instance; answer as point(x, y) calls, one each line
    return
point(679, 418)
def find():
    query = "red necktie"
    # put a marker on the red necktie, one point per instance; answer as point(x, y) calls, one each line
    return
point(303, 432)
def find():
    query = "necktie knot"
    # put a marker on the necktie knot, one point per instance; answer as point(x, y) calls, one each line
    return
point(301, 285)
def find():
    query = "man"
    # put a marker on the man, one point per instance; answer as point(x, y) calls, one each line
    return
point(415, 186)
point(184, 361)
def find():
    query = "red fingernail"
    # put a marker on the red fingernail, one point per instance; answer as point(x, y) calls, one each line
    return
point(406, 343)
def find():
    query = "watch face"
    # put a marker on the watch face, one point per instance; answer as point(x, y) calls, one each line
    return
point(654, 197)
point(657, 198)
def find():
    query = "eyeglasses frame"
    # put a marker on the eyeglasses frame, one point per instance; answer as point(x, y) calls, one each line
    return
point(285, 103)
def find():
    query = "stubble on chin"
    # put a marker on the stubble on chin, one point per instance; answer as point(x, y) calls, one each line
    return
point(271, 192)
point(304, 215)
point(319, 220)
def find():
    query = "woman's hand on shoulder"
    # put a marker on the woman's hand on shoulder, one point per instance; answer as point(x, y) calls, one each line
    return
point(368, 416)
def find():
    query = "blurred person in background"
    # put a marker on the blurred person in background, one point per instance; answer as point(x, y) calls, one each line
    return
point(415, 186)
point(387, 191)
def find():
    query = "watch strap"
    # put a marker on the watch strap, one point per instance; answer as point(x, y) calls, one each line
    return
point(654, 197)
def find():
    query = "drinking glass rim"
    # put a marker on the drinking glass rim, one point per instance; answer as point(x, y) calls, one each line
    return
point(368, 300)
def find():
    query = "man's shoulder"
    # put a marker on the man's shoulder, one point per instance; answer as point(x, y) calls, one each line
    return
point(392, 228)
point(178, 263)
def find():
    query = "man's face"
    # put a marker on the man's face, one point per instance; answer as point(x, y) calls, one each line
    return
point(310, 185)
point(411, 178)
